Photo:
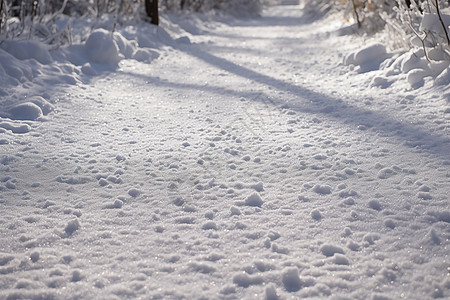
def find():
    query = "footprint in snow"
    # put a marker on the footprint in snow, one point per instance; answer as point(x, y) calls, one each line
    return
point(316, 215)
point(375, 204)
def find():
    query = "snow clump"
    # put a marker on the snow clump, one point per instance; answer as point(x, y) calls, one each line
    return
point(101, 48)
point(291, 280)
point(254, 200)
point(71, 227)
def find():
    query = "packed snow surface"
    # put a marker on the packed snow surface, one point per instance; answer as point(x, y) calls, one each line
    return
point(265, 158)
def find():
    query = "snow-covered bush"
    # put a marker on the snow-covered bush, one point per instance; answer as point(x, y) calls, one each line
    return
point(426, 19)
point(410, 23)
point(28, 17)
point(418, 28)
point(424, 23)
point(41, 19)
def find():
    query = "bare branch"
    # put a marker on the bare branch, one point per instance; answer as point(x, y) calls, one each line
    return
point(442, 21)
point(356, 14)
point(422, 40)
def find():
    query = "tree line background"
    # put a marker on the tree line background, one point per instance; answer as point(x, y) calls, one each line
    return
point(19, 18)
point(402, 18)
point(38, 8)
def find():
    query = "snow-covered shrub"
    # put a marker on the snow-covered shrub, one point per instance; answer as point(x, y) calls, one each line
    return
point(425, 23)
point(41, 19)
point(410, 23)
point(26, 17)
point(368, 13)
point(425, 19)
point(418, 27)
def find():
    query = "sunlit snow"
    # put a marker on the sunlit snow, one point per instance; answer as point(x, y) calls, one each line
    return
point(255, 158)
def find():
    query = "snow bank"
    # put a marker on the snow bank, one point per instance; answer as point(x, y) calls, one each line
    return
point(13, 71)
point(31, 109)
point(33, 64)
point(415, 64)
point(370, 53)
point(29, 49)
point(26, 111)
point(368, 58)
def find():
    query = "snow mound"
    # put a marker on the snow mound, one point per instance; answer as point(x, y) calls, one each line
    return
point(12, 70)
point(444, 78)
point(102, 48)
point(126, 47)
point(43, 104)
point(368, 58)
point(15, 128)
point(26, 111)
point(145, 55)
point(370, 53)
point(28, 50)
point(416, 65)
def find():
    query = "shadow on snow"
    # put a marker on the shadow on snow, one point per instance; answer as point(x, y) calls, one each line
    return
point(330, 107)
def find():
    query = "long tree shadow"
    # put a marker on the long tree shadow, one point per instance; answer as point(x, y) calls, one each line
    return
point(318, 103)
point(213, 89)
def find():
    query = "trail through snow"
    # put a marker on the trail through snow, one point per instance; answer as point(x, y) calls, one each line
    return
point(245, 162)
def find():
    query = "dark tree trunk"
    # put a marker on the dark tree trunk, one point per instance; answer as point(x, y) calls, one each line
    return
point(408, 3)
point(151, 8)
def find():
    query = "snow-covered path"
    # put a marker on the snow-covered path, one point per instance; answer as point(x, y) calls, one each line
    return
point(245, 162)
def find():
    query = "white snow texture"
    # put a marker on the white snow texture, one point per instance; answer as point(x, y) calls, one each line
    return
point(222, 158)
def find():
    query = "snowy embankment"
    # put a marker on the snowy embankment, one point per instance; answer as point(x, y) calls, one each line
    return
point(239, 159)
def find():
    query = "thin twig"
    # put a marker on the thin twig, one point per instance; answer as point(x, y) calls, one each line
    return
point(422, 40)
point(356, 14)
point(60, 11)
point(442, 21)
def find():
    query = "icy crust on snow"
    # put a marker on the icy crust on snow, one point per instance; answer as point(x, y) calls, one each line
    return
point(218, 174)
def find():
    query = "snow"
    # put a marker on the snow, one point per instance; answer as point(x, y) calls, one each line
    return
point(25, 111)
point(431, 22)
point(101, 48)
point(291, 280)
point(254, 200)
point(28, 50)
point(223, 158)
